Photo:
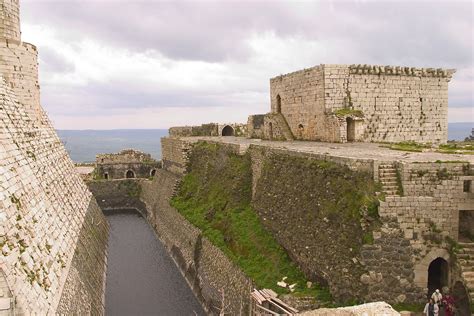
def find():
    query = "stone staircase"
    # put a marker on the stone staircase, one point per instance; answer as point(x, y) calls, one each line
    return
point(388, 178)
point(466, 260)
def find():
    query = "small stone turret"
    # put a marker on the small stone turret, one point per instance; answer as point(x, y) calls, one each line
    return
point(18, 60)
point(10, 20)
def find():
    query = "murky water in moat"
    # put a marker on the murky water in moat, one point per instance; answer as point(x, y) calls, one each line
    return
point(142, 279)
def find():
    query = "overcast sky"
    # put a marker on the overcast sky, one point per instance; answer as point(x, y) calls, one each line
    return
point(154, 64)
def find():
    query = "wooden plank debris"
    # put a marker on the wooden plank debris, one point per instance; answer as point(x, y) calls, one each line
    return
point(266, 302)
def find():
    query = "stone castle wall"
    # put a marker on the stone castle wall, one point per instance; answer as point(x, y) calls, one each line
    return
point(44, 204)
point(373, 258)
point(339, 103)
point(52, 255)
point(174, 154)
point(209, 272)
point(10, 20)
point(301, 101)
point(397, 106)
point(19, 67)
point(128, 163)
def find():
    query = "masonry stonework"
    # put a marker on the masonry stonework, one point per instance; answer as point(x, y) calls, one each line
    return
point(387, 257)
point(367, 103)
point(53, 256)
point(128, 163)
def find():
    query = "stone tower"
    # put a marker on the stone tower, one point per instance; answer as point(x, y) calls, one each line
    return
point(18, 60)
point(53, 235)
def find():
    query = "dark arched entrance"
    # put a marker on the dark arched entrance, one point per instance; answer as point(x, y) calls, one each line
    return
point(437, 275)
point(228, 131)
point(130, 174)
point(106, 176)
point(350, 129)
point(153, 172)
point(461, 299)
point(278, 104)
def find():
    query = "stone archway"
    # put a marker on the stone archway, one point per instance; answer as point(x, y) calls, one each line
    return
point(130, 174)
point(421, 269)
point(227, 131)
point(438, 272)
point(461, 299)
point(152, 172)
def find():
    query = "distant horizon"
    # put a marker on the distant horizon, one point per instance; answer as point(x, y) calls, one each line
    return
point(166, 128)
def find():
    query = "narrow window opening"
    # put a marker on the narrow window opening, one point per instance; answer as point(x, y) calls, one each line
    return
point(467, 184)
point(278, 104)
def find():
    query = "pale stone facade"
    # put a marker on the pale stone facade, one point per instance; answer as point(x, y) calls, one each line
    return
point(128, 163)
point(366, 103)
point(44, 203)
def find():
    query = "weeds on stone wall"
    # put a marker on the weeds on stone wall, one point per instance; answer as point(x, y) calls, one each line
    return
point(348, 112)
point(132, 188)
point(408, 146)
point(400, 190)
point(215, 196)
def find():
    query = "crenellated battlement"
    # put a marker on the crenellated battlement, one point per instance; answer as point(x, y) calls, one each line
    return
point(400, 71)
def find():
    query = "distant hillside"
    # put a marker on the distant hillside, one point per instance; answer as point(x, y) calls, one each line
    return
point(459, 131)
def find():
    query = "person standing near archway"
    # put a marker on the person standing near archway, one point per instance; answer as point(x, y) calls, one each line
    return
point(431, 308)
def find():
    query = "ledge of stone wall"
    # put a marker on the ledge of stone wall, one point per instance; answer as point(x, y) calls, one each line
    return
point(84, 290)
point(206, 268)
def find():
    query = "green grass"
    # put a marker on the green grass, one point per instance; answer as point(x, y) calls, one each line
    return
point(215, 196)
point(407, 146)
point(348, 112)
point(466, 148)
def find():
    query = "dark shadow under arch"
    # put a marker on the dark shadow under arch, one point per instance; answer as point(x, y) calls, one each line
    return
point(437, 274)
point(130, 174)
point(228, 131)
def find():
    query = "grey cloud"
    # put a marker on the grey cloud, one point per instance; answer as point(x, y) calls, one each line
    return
point(415, 33)
point(395, 32)
point(52, 62)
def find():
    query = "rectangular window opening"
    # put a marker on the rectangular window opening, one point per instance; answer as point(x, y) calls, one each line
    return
point(467, 186)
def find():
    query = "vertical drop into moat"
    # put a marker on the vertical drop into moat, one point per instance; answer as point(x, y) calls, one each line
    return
point(142, 279)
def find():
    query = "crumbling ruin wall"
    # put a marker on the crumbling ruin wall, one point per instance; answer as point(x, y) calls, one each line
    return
point(127, 163)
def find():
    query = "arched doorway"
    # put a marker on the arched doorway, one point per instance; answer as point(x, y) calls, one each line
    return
point(278, 104)
point(270, 130)
point(106, 176)
point(300, 130)
point(130, 174)
point(350, 129)
point(461, 299)
point(437, 275)
point(228, 131)
point(153, 172)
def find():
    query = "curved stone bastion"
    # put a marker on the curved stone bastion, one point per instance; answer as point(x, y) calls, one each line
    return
point(53, 235)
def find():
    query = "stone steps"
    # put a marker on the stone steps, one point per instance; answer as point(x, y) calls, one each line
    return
point(466, 261)
point(388, 178)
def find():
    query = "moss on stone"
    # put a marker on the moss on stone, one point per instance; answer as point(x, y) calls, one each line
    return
point(215, 196)
point(348, 112)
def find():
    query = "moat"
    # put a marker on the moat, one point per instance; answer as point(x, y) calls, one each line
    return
point(141, 277)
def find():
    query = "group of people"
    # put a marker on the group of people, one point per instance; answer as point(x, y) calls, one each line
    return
point(439, 305)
